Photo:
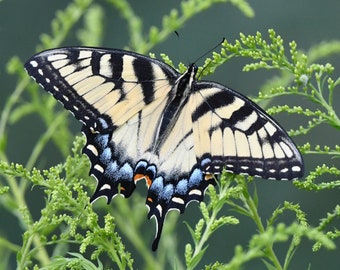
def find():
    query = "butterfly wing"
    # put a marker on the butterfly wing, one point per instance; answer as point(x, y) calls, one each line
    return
point(102, 88)
point(234, 133)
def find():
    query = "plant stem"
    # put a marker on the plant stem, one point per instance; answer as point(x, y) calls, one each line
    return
point(251, 206)
point(12, 100)
point(209, 223)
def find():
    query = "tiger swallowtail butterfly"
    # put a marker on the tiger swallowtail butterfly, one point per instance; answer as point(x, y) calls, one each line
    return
point(144, 120)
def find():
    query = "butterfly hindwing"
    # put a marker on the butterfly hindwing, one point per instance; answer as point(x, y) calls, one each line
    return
point(145, 121)
point(253, 143)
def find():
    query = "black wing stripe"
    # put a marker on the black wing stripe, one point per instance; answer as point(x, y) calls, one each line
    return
point(146, 77)
point(215, 97)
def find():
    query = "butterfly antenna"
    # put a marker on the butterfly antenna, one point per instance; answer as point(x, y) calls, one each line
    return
point(212, 49)
point(206, 66)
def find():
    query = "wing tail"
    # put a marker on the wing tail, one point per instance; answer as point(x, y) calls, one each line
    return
point(164, 196)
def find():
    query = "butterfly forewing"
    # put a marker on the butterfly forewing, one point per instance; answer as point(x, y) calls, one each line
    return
point(97, 83)
point(144, 120)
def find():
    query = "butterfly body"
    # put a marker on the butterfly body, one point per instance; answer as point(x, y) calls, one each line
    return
point(144, 120)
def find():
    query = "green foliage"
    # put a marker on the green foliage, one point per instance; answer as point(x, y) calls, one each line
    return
point(69, 234)
point(66, 219)
point(171, 22)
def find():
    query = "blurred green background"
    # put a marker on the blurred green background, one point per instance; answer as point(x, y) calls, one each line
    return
point(308, 22)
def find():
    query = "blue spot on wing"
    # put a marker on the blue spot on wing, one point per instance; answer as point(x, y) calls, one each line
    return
point(182, 187)
point(101, 140)
point(106, 156)
point(195, 178)
point(167, 193)
point(111, 169)
point(125, 172)
point(157, 186)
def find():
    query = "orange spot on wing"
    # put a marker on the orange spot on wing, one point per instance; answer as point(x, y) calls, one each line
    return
point(149, 199)
point(139, 176)
point(148, 181)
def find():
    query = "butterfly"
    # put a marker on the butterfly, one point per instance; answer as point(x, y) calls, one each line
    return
point(143, 120)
